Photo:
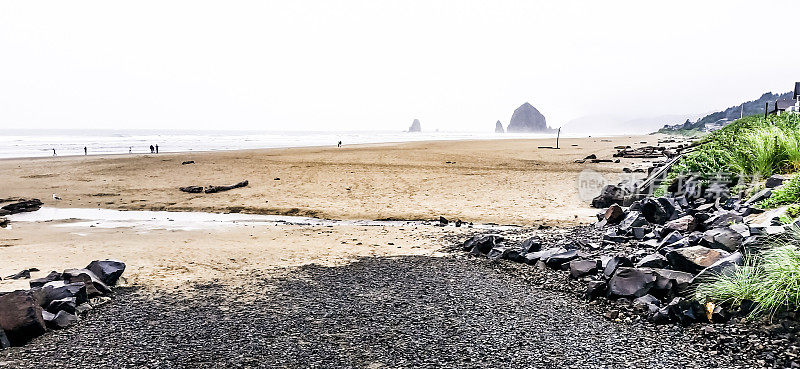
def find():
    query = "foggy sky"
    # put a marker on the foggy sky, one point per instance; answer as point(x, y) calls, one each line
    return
point(377, 65)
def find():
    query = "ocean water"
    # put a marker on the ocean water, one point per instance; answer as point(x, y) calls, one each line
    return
point(18, 143)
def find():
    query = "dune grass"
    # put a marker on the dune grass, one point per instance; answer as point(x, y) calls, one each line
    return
point(770, 278)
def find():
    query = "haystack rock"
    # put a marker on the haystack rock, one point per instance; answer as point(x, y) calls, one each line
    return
point(527, 119)
point(498, 128)
point(415, 126)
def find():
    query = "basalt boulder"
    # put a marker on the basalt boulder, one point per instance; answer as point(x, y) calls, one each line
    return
point(582, 268)
point(39, 282)
point(631, 282)
point(59, 320)
point(722, 238)
point(58, 290)
point(20, 317)
point(108, 271)
point(94, 286)
point(614, 214)
point(652, 261)
point(483, 243)
point(693, 259)
point(532, 244)
point(609, 195)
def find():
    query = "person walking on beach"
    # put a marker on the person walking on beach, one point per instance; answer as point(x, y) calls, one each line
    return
point(130, 149)
point(340, 144)
point(54, 152)
point(152, 149)
point(156, 148)
point(85, 151)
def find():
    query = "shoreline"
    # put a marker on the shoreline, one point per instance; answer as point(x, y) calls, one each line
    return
point(332, 145)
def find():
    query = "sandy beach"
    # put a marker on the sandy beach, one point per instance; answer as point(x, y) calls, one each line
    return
point(498, 181)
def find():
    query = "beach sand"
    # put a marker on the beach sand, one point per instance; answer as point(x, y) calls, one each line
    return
point(497, 181)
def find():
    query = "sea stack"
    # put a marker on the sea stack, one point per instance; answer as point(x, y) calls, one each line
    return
point(498, 128)
point(415, 126)
point(528, 119)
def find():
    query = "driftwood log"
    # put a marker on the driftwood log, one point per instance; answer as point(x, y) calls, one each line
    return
point(192, 189)
point(213, 189)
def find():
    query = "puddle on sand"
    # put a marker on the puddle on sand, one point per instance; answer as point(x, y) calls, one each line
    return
point(169, 220)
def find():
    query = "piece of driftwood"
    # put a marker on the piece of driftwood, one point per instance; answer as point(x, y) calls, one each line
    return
point(213, 189)
point(192, 189)
point(188, 162)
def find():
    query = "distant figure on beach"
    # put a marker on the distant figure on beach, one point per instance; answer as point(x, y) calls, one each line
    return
point(130, 149)
point(85, 151)
point(152, 149)
point(54, 152)
point(156, 148)
point(340, 144)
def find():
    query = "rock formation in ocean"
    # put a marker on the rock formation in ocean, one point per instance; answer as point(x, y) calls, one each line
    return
point(415, 126)
point(498, 128)
point(527, 119)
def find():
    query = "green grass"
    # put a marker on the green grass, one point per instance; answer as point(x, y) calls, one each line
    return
point(751, 146)
point(788, 194)
point(770, 278)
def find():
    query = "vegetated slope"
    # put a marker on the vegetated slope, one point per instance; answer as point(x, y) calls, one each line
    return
point(755, 107)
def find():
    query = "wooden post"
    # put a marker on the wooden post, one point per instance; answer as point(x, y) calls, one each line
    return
point(558, 136)
point(766, 109)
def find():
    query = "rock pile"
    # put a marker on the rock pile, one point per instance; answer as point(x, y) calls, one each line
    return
point(675, 242)
point(56, 301)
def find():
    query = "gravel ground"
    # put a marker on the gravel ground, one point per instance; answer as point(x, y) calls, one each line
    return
point(376, 312)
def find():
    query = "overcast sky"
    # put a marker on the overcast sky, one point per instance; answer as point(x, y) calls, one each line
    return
point(361, 65)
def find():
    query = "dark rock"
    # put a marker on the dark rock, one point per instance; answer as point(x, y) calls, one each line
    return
point(498, 127)
point(415, 126)
point(214, 189)
point(94, 286)
point(39, 282)
point(670, 239)
point(631, 282)
point(653, 211)
point(20, 317)
point(775, 180)
point(590, 156)
point(526, 118)
point(544, 255)
point(556, 260)
point(722, 267)
point(759, 196)
point(614, 214)
point(639, 232)
point(582, 268)
point(187, 162)
point(21, 206)
point(723, 218)
point(483, 243)
point(595, 289)
point(672, 282)
point(611, 265)
point(4, 222)
point(609, 195)
point(23, 274)
point(108, 271)
point(693, 259)
point(58, 290)
point(4, 342)
point(652, 261)
point(723, 238)
point(83, 308)
point(686, 311)
point(498, 252)
point(192, 189)
point(66, 304)
point(532, 244)
point(649, 302)
point(633, 219)
point(683, 224)
point(60, 320)
point(443, 221)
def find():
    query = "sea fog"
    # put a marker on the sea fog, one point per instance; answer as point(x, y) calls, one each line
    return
point(18, 143)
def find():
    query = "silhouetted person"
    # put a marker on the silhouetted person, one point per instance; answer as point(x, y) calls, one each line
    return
point(156, 148)
point(130, 149)
point(340, 144)
point(54, 152)
point(85, 151)
point(152, 149)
